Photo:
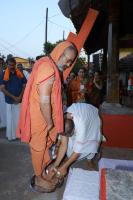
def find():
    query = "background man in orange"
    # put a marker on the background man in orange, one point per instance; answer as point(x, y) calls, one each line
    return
point(13, 85)
point(45, 120)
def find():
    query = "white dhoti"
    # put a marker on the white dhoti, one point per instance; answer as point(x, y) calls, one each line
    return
point(88, 154)
point(12, 120)
point(87, 133)
point(2, 110)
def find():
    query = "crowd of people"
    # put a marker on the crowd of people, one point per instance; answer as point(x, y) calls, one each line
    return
point(87, 90)
point(12, 84)
point(56, 118)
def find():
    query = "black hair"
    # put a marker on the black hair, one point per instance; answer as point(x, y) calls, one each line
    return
point(38, 57)
point(81, 68)
point(68, 127)
point(11, 60)
point(2, 59)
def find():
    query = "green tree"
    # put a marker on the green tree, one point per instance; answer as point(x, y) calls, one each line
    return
point(48, 47)
point(30, 59)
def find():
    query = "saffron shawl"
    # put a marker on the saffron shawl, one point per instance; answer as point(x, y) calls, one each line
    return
point(24, 124)
point(7, 74)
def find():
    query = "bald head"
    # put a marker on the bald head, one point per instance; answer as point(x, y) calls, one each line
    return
point(71, 48)
point(67, 58)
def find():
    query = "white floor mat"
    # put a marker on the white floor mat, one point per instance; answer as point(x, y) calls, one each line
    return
point(82, 185)
point(116, 164)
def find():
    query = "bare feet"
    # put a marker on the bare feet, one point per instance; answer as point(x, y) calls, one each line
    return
point(52, 179)
point(39, 181)
point(46, 176)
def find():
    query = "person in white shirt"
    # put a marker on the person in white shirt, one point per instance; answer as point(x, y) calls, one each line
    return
point(81, 138)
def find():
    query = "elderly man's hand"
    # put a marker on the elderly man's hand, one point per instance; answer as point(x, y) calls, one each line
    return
point(62, 171)
point(51, 172)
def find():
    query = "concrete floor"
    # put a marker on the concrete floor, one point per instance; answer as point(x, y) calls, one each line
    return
point(16, 170)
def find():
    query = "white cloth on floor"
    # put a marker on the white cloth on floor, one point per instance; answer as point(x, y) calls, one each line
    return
point(2, 110)
point(82, 185)
point(12, 120)
point(87, 133)
point(115, 164)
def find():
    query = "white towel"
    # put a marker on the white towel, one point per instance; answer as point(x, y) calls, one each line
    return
point(82, 185)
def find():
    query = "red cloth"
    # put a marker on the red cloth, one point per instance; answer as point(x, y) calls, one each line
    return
point(103, 185)
point(118, 130)
point(131, 79)
point(83, 34)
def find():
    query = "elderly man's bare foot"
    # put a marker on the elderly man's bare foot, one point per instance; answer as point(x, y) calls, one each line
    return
point(46, 176)
point(54, 180)
point(39, 181)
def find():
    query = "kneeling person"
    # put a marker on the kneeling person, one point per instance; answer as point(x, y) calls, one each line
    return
point(82, 135)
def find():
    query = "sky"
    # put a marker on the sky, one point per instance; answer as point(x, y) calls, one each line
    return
point(22, 24)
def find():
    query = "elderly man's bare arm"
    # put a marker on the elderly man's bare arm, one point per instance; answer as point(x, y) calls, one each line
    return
point(45, 90)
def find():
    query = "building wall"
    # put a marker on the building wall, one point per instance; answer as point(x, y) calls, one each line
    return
point(23, 61)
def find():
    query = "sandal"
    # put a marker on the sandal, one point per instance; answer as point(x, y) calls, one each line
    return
point(37, 188)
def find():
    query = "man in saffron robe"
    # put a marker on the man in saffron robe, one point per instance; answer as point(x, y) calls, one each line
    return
point(41, 117)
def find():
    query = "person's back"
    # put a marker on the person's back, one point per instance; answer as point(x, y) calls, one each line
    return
point(83, 111)
point(87, 128)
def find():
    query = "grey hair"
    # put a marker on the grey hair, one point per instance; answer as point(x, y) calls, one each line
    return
point(72, 47)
